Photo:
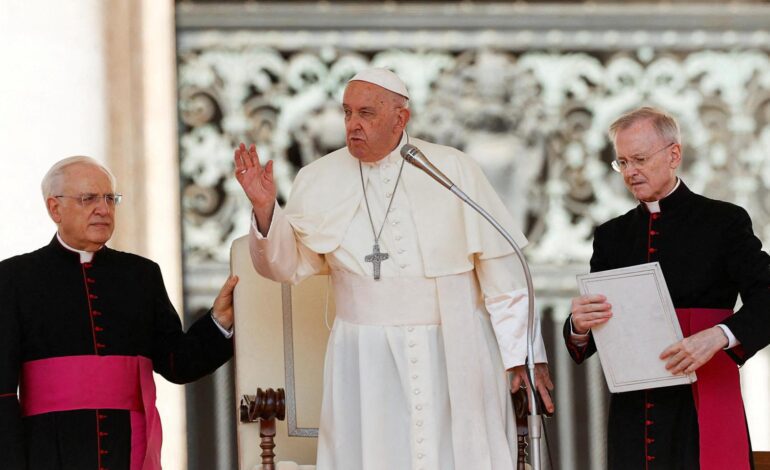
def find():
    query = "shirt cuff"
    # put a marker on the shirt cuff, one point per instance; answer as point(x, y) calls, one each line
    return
point(732, 341)
point(576, 338)
point(254, 225)
point(225, 332)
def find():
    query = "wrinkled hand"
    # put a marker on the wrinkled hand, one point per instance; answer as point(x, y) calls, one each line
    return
point(543, 383)
point(589, 311)
point(257, 182)
point(222, 310)
point(692, 352)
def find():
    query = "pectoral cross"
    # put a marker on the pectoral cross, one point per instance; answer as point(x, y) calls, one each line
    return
point(376, 258)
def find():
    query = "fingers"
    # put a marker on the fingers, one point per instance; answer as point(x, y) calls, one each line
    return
point(546, 397)
point(685, 357)
point(515, 382)
point(242, 161)
point(222, 310)
point(681, 363)
point(590, 303)
point(267, 175)
point(585, 321)
point(675, 360)
point(582, 322)
point(589, 311)
point(688, 355)
point(542, 375)
point(246, 159)
point(519, 378)
point(671, 350)
point(228, 287)
point(238, 161)
point(544, 385)
point(251, 157)
point(589, 299)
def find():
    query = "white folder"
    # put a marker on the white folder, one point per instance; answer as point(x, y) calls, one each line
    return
point(643, 324)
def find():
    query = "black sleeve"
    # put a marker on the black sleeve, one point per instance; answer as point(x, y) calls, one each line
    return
point(599, 262)
point(184, 357)
point(749, 268)
point(11, 430)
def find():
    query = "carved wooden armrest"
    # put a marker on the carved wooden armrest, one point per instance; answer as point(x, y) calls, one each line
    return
point(520, 412)
point(266, 406)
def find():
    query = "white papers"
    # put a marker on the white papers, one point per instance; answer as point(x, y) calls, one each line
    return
point(643, 324)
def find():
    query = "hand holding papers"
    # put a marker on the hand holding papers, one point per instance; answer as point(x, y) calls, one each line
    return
point(643, 324)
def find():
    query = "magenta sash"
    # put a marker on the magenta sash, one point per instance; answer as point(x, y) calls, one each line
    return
point(98, 382)
point(722, 429)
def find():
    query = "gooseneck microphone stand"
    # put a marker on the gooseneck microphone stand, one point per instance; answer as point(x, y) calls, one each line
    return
point(413, 155)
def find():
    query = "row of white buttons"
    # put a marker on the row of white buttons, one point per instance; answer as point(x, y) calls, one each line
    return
point(418, 419)
point(394, 221)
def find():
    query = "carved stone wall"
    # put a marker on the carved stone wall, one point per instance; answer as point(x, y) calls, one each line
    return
point(532, 109)
point(528, 91)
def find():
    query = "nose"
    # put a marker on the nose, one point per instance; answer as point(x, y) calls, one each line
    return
point(102, 207)
point(630, 170)
point(352, 123)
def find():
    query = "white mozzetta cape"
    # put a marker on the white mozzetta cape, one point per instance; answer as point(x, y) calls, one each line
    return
point(449, 231)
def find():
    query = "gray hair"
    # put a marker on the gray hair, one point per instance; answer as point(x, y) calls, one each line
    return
point(52, 180)
point(663, 123)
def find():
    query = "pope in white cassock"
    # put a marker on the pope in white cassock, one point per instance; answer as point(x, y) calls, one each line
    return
point(431, 303)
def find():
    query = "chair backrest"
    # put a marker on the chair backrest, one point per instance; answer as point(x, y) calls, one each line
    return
point(280, 341)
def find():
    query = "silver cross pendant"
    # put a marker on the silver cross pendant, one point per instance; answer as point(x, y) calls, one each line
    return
point(376, 258)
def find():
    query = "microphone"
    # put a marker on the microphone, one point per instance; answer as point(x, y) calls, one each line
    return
point(413, 155)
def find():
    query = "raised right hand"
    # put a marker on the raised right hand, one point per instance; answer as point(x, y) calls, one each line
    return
point(256, 181)
point(589, 311)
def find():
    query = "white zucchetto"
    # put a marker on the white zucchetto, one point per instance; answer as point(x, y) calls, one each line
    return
point(384, 78)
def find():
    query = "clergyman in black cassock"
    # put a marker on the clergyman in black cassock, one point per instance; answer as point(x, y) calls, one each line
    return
point(60, 313)
point(709, 255)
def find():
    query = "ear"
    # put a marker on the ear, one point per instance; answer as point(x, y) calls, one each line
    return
point(53, 205)
point(676, 156)
point(402, 119)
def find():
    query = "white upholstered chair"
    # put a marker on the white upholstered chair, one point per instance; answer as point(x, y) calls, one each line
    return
point(280, 341)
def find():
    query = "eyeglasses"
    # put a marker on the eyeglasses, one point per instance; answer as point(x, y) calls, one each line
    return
point(90, 199)
point(622, 164)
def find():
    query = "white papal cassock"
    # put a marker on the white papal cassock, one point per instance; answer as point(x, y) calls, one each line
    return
point(414, 376)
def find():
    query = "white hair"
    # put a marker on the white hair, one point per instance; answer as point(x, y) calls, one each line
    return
point(664, 123)
point(52, 181)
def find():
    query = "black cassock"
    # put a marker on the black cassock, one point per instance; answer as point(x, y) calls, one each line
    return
point(51, 306)
point(709, 254)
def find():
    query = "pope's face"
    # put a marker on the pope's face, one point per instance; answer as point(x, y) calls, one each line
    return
point(650, 174)
point(82, 227)
point(374, 120)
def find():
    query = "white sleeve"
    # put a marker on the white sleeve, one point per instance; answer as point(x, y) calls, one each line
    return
point(732, 341)
point(505, 296)
point(279, 256)
point(225, 332)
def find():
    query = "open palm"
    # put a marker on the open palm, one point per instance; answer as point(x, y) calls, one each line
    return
point(256, 180)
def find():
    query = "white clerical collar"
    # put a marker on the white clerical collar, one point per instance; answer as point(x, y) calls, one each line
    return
point(85, 256)
point(654, 206)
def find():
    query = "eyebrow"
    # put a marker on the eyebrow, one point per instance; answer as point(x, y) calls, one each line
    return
point(633, 155)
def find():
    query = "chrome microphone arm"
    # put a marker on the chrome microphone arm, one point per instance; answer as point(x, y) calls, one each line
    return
point(413, 155)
